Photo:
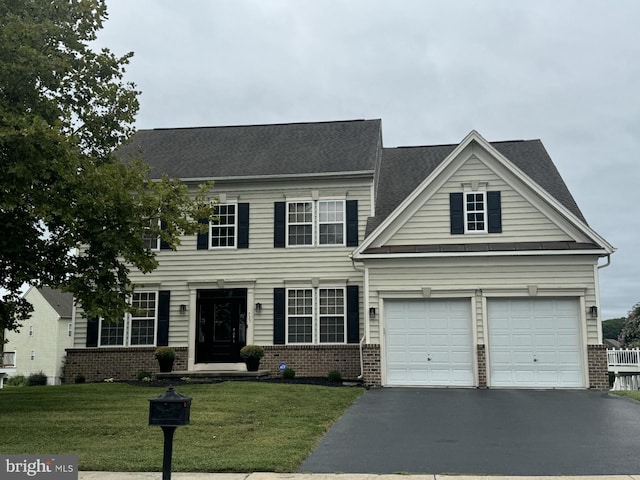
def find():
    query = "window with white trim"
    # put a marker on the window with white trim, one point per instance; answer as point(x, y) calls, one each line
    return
point(151, 242)
point(475, 212)
point(224, 226)
point(138, 328)
point(316, 316)
point(318, 222)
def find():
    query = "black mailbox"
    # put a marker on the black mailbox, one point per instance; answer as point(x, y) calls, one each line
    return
point(169, 409)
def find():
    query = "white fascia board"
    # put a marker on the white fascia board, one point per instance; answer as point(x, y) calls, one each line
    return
point(407, 201)
point(363, 257)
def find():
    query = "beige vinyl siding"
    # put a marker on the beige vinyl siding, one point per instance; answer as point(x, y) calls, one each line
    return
point(261, 263)
point(483, 277)
point(521, 221)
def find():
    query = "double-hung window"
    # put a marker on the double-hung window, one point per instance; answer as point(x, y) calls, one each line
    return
point(151, 242)
point(319, 222)
point(300, 223)
point(224, 226)
point(475, 212)
point(316, 316)
point(138, 328)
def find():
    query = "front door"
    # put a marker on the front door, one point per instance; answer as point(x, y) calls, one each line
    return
point(221, 325)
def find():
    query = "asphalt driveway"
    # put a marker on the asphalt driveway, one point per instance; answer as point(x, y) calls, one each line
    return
point(490, 432)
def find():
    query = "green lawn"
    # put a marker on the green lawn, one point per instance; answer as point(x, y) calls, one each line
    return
point(235, 426)
point(628, 393)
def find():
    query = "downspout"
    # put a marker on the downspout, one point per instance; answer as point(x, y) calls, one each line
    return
point(597, 279)
point(366, 310)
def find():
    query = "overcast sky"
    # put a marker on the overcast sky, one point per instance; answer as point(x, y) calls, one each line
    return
point(566, 72)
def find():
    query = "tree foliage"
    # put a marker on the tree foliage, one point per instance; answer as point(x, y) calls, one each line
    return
point(64, 110)
point(612, 328)
point(630, 336)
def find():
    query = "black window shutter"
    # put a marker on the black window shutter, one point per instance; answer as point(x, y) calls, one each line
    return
point(164, 245)
point(353, 314)
point(456, 211)
point(164, 297)
point(279, 224)
point(92, 331)
point(279, 307)
point(494, 212)
point(352, 223)
point(203, 238)
point(243, 225)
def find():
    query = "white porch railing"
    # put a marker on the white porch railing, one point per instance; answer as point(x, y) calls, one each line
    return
point(625, 361)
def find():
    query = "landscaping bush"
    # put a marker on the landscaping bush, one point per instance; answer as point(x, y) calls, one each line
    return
point(288, 373)
point(335, 376)
point(17, 381)
point(144, 376)
point(36, 379)
point(79, 378)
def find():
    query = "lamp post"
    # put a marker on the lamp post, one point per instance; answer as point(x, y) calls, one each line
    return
point(169, 411)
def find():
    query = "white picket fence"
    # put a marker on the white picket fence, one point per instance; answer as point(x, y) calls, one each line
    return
point(625, 363)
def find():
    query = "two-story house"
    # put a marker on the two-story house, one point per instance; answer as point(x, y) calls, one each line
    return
point(453, 265)
point(40, 344)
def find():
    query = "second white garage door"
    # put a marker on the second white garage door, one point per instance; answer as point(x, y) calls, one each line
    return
point(535, 343)
point(428, 343)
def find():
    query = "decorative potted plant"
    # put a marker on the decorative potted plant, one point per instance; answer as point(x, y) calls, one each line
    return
point(165, 357)
point(251, 354)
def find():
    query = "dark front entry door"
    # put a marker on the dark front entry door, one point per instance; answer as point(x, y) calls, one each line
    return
point(221, 325)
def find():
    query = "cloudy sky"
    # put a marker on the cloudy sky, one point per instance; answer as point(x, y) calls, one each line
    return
point(564, 71)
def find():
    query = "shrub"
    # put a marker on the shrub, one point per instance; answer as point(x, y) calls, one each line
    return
point(252, 351)
point(79, 378)
point(17, 381)
point(36, 379)
point(165, 353)
point(334, 376)
point(144, 376)
point(288, 373)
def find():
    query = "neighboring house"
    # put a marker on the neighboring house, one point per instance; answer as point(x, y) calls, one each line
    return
point(455, 265)
point(40, 344)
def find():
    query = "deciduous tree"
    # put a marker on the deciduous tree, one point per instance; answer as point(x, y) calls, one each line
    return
point(64, 110)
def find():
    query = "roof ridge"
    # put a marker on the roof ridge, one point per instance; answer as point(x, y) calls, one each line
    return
point(263, 124)
point(456, 144)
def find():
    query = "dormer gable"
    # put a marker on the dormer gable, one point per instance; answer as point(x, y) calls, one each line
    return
point(476, 197)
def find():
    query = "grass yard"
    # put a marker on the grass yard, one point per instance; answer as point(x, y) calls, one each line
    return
point(235, 426)
point(628, 393)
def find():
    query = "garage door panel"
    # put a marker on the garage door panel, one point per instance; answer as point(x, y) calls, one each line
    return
point(437, 339)
point(534, 343)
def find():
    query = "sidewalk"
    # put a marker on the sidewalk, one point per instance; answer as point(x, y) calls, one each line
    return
point(325, 476)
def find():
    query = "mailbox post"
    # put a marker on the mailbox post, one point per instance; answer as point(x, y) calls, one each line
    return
point(169, 410)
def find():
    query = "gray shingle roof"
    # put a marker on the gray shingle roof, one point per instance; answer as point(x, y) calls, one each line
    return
point(62, 302)
point(255, 150)
point(403, 169)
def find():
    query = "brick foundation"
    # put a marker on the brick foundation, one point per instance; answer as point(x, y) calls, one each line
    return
point(319, 360)
point(121, 364)
point(598, 370)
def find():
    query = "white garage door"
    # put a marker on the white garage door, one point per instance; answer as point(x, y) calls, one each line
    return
point(535, 343)
point(428, 343)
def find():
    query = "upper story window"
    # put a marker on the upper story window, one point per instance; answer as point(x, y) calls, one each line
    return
point(151, 242)
point(475, 212)
point(312, 223)
point(229, 229)
point(224, 227)
point(138, 328)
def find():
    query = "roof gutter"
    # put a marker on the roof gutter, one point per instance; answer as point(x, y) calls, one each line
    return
point(502, 253)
